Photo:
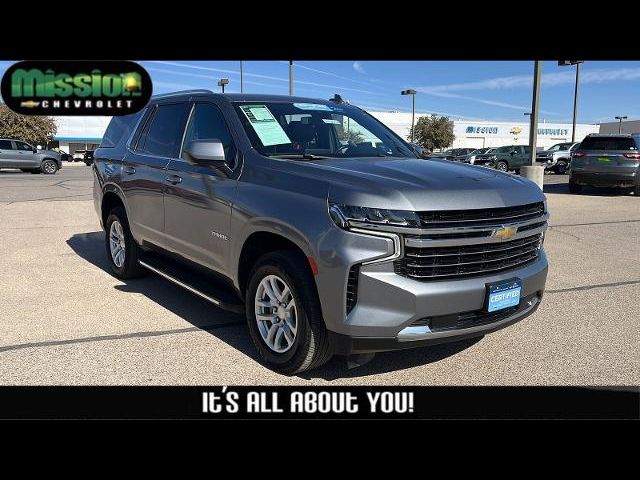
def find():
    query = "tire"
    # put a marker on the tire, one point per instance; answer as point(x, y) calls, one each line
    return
point(502, 166)
point(310, 346)
point(561, 167)
point(574, 187)
point(127, 267)
point(49, 167)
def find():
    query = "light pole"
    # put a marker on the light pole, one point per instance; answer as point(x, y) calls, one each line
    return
point(621, 119)
point(222, 82)
point(564, 63)
point(413, 109)
point(291, 77)
point(241, 82)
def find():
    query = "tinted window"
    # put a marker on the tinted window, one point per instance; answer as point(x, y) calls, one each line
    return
point(525, 149)
point(5, 145)
point(504, 149)
point(208, 123)
point(164, 133)
point(608, 143)
point(118, 127)
point(23, 146)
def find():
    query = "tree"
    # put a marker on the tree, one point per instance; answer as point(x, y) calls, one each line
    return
point(433, 132)
point(36, 130)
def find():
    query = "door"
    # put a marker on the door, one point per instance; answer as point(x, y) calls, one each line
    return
point(198, 197)
point(6, 154)
point(24, 156)
point(155, 144)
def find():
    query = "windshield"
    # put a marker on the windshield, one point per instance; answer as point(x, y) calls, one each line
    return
point(309, 130)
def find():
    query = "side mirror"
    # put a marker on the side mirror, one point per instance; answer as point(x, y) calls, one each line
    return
point(206, 151)
point(34, 149)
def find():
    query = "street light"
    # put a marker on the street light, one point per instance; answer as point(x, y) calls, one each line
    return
point(565, 63)
point(621, 119)
point(241, 79)
point(222, 82)
point(290, 77)
point(413, 108)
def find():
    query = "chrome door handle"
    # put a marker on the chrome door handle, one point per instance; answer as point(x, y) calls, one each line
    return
point(129, 170)
point(174, 179)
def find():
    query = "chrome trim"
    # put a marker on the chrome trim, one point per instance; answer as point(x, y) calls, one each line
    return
point(413, 333)
point(452, 242)
point(460, 229)
point(135, 129)
point(524, 252)
point(179, 283)
point(397, 245)
point(507, 246)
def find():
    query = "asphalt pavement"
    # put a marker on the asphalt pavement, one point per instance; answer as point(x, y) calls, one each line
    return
point(66, 320)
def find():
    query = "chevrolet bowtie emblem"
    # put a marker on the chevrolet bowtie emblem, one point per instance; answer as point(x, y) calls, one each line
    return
point(29, 104)
point(505, 233)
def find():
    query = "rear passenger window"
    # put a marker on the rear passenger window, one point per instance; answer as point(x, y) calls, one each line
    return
point(164, 133)
point(5, 145)
point(118, 127)
point(208, 123)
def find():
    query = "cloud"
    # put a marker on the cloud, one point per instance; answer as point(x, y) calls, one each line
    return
point(357, 66)
point(266, 77)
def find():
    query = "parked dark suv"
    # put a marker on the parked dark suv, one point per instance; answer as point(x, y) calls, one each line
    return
point(317, 222)
point(606, 161)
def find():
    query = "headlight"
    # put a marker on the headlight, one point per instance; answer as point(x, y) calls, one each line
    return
point(346, 216)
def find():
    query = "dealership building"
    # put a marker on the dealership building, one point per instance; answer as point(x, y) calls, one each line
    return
point(472, 134)
point(85, 133)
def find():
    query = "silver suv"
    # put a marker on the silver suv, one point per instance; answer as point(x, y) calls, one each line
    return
point(18, 154)
point(558, 157)
point(317, 222)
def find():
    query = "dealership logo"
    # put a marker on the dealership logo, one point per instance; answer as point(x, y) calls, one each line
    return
point(516, 130)
point(76, 88)
point(482, 129)
point(553, 131)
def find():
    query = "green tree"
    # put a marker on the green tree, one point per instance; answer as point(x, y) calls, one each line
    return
point(35, 130)
point(433, 132)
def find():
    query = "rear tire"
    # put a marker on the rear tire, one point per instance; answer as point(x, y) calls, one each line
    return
point(574, 187)
point(310, 346)
point(502, 166)
point(123, 257)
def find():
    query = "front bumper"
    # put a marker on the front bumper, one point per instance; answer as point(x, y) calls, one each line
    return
point(605, 179)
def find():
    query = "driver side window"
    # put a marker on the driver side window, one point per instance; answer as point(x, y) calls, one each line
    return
point(208, 123)
point(23, 146)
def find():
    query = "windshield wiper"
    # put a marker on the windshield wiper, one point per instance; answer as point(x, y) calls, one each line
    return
point(298, 156)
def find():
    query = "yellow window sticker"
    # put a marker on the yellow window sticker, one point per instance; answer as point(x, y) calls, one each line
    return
point(265, 125)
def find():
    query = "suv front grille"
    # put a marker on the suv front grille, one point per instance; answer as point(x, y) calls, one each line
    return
point(462, 243)
point(481, 217)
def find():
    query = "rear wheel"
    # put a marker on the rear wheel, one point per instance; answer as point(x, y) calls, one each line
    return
point(561, 167)
point(502, 166)
point(283, 314)
point(49, 167)
point(574, 187)
point(122, 249)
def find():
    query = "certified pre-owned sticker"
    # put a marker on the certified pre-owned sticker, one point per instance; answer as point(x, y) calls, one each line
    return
point(76, 88)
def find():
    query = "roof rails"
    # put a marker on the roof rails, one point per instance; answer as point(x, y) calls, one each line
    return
point(183, 92)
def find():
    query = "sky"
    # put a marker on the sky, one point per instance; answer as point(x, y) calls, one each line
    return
point(470, 90)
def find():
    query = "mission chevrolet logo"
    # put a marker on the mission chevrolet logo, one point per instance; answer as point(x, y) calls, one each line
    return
point(76, 88)
point(505, 233)
point(516, 130)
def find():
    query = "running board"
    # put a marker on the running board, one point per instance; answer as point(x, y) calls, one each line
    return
point(202, 285)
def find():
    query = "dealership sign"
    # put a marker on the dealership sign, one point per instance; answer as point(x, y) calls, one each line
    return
point(482, 129)
point(76, 88)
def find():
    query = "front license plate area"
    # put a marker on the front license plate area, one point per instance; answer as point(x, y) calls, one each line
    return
point(505, 294)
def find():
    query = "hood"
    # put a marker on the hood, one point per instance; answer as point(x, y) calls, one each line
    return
point(417, 184)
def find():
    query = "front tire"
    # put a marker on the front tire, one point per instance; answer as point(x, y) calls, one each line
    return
point(284, 315)
point(49, 167)
point(561, 168)
point(122, 249)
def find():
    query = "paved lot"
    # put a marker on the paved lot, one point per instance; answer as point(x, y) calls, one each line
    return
point(65, 320)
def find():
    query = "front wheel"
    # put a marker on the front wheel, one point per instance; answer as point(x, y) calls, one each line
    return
point(49, 167)
point(561, 168)
point(283, 314)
